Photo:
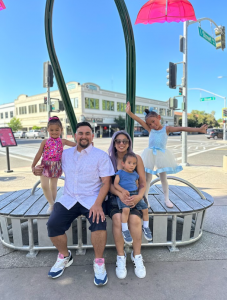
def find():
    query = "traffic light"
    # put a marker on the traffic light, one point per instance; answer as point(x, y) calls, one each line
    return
point(172, 83)
point(220, 39)
point(224, 112)
point(180, 91)
point(45, 100)
point(61, 106)
point(173, 103)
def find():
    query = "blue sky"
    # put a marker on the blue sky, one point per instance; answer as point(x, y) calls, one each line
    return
point(90, 46)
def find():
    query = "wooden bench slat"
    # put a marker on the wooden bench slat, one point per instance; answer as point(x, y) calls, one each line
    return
point(5, 195)
point(161, 199)
point(208, 196)
point(155, 205)
point(11, 206)
point(177, 201)
point(35, 209)
point(185, 197)
point(195, 196)
point(21, 210)
point(152, 191)
point(11, 198)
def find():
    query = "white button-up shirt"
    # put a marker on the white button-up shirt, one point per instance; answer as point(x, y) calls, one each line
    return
point(82, 175)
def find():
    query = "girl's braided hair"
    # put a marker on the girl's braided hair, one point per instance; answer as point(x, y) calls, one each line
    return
point(150, 113)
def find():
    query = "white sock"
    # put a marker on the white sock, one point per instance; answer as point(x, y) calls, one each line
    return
point(124, 226)
point(145, 224)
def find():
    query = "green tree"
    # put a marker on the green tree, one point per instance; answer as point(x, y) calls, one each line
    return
point(120, 122)
point(197, 118)
point(15, 124)
point(36, 127)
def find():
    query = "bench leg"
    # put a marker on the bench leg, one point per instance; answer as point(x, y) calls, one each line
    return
point(173, 248)
point(32, 253)
point(80, 251)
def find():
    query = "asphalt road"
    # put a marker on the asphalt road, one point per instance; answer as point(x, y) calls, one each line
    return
point(201, 151)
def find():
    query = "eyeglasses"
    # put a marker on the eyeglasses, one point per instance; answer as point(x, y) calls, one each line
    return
point(125, 142)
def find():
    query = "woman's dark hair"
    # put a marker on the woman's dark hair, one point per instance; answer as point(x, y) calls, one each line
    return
point(150, 113)
point(112, 150)
point(54, 121)
point(129, 154)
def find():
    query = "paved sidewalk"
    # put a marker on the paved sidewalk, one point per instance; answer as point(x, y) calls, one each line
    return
point(197, 271)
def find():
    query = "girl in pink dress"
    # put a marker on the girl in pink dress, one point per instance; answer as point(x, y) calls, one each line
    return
point(51, 151)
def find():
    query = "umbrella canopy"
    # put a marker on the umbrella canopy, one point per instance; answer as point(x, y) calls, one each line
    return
point(160, 11)
point(2, 5)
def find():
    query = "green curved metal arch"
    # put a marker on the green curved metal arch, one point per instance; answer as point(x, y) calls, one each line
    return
point(130, 63)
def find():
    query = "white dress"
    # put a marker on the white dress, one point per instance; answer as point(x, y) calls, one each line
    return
point(156, 158)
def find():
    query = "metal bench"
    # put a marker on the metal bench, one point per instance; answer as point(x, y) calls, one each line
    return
point(23, 219)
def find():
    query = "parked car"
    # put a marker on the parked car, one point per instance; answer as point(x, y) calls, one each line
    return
point(137, 133)
point(145, 133)
point(19, 134)
point(214, 133)
point(175, 133)
point(35, 134)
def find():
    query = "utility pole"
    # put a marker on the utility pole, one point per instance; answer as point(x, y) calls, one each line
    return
point(185, 95)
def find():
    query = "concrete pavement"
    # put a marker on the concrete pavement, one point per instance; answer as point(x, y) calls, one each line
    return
point(197, 271)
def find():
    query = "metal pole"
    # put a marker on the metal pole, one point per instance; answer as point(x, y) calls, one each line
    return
point(224, 125)
point(48, 106)
point(8, 162)
point(185, 96)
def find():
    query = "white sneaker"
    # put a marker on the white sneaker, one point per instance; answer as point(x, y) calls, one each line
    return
point(121, 271)
point(140, 269)
point(100, 272)
point(60, 265)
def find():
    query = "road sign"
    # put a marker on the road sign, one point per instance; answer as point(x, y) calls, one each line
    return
point(206, 36)
point(207, 99)
point(224, 112)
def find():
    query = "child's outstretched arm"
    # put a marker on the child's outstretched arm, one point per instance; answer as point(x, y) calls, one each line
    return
point(38, 155)
point(119, 188)
point(134, 117)
point(68, 143)
point(202, 129)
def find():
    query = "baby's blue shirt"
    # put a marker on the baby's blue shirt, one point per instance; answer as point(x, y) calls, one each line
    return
point(128, 180)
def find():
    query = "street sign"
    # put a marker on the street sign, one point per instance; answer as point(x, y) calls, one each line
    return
point(206, 36)
point(224, 112)
point(207, 99)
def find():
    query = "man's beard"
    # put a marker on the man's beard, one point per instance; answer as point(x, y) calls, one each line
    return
point(84, 145)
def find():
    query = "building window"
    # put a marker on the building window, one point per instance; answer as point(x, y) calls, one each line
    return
point(17, 111)
point(1, 115)
point(42, 107)
point(6, 115)
point(91, 103)
point(169, 112)
point(75, 102)
point(162, 111)
point(140, 109)
point(11, 114)
point(32, 109)
point(107, 105)
point(22, 110)
point(121, 106)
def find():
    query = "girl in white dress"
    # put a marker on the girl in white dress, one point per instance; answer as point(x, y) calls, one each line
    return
point(156, 158)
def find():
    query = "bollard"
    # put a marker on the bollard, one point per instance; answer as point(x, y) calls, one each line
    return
point(225, 163)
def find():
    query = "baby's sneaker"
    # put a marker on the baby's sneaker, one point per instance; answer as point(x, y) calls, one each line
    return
point(50, 209)
point(127, 237)
point(147, 233)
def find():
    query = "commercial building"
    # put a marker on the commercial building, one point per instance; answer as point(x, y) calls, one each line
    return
point(90, 103)
point(6, 114)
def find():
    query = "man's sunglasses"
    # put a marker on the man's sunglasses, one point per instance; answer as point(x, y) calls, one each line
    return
point(125, 142)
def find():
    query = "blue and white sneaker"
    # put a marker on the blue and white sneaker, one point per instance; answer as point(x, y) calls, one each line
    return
point(147, 233)
point(62, 262)
point(127, 237)
point(100, 272)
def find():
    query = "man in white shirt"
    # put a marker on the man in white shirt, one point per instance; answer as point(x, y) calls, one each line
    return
point(87, 180)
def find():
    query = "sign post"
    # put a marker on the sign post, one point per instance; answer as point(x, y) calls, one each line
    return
point(7, 140)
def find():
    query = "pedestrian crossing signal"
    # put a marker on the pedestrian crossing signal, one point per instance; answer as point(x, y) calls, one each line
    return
point(224, 112)
point(180, 91)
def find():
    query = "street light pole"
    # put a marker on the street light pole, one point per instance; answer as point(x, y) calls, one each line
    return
point(185, 95)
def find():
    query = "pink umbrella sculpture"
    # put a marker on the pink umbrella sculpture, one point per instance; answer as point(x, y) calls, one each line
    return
point(160, 11)
point(2, 5)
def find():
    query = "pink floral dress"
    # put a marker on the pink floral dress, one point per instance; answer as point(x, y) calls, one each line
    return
point(51, 158)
